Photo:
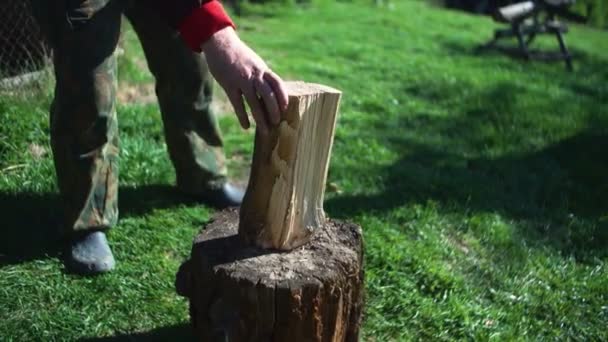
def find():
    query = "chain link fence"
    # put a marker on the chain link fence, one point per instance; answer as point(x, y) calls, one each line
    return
point(23, 51)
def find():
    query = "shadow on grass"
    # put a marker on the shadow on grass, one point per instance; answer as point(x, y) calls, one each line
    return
point(31, 221)
point(559, 192)
point(29, 227)
point(182, 332)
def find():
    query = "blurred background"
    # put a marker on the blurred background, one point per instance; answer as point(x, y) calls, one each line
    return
point(22, 46)
point(23, 50)
point(478, 176)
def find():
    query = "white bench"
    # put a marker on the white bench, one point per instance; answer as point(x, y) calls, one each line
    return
point(527, 19)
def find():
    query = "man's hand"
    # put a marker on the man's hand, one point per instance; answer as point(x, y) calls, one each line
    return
point(242, 73)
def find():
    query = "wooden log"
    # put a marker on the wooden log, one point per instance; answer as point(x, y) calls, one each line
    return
point(283, 205)
point(245, 293)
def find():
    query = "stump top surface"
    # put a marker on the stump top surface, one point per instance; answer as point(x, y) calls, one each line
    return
point(334, 248)
point(299, 88)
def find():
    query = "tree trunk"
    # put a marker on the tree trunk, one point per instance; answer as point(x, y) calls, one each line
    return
point(283, 205)
point(245, 293)
point(241, 286)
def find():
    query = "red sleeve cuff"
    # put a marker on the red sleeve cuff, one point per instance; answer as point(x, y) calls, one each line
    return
point(202, 23)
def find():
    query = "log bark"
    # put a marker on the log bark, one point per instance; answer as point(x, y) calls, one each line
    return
point(245, 293)
point(283, 205)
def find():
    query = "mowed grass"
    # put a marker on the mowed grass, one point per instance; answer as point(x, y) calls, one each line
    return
point(480, 182)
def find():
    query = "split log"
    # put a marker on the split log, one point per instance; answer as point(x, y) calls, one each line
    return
point(246, 293)
point(283, 205)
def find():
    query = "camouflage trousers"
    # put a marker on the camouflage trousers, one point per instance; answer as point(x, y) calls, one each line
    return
point(84, 129)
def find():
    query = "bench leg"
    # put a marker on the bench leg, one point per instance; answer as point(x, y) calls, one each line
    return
point(520, 39)
point(564, 49)
point(530, 39)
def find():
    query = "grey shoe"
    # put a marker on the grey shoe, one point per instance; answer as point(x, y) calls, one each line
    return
point(89, 254)
point(226, 196)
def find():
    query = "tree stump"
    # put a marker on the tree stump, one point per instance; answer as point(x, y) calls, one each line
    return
point(280, 270)
point(245, 293)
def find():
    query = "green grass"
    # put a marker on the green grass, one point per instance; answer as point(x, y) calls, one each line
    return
point(480, 182)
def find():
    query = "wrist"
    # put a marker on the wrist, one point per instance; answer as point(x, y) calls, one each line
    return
point(220, 40)
point(203, 23)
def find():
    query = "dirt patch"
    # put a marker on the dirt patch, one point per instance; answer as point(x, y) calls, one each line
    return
point(37, 151)
point(221, 103)
point(142, 93)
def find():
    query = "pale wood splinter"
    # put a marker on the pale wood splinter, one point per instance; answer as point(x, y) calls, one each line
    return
point(283, 205)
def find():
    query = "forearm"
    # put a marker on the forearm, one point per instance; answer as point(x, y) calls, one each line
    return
point(205, 27)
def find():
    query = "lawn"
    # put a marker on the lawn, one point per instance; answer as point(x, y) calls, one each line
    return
point(480, 182)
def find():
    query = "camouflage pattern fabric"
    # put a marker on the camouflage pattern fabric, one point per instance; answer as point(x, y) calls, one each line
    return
point(84, 128)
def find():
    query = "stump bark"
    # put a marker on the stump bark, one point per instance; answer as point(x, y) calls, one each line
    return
point(240, 292)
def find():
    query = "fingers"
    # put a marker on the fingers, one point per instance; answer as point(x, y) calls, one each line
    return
point(266, 96)
point(236, 98)
point(278, 88)
point(256, 109)
point(270, 101)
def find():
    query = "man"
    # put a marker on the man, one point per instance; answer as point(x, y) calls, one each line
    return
point(84, 137)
